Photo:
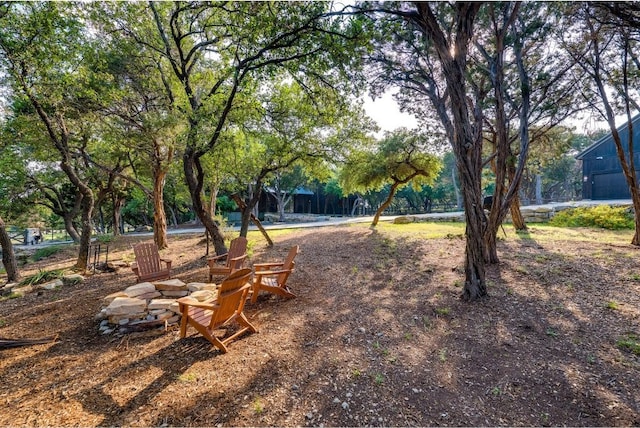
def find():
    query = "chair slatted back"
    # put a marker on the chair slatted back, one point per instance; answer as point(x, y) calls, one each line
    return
point(232, 295)
point(147, 258)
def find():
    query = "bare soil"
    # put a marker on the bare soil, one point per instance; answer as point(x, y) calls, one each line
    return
point(377, 336)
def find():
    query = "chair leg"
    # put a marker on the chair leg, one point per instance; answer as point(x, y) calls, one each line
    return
point(243, 321)
point(183, 325)
point(215, 342)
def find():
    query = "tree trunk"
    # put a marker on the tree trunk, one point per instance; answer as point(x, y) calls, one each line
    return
point(194, 177)
point(516, 215)
point(117, 203)
point(8, 256)
point(159, 214)
point(454, 180)
point(213, 200)
point(71, 228)
point(384, 205)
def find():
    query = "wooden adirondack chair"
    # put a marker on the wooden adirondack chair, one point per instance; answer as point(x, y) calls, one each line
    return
point(148, 264)
point(272, 277)
point(208, 316)
point(234, 259)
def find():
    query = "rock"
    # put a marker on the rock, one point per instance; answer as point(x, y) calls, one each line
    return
point(171, 285)
point(165, 315)
point(22, 290)
point(125, 305)
point(72, 279)
point(174, 293)
point(404, 220)
point(108, 299)
point(203, 295)
point(197, 286)
point(160, 304)
point(138, 289)
point(174, 319)
point(115, 319)
point(174, 307)
point(51, 285)
point(149, 296)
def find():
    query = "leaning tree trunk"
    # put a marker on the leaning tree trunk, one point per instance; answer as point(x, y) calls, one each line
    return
point(8, 256)
point(159, 214)
point(71, 228)
point(194, 177)
point(117, 203)
point(384, 205)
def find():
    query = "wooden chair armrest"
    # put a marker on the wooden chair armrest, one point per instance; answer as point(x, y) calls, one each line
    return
point(190, 301)
point(259, 266)
point(271, 272)
point(168, 262)
point(222, 256)
point(237, 259)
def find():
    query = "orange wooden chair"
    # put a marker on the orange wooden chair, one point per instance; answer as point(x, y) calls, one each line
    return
point(148, 264)
point(234, 259)
point(208, 316)
point(272, 277)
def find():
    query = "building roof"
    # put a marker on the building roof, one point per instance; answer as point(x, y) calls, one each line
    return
point(607, 138)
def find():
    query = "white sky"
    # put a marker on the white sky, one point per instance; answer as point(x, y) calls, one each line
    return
point(386, 112)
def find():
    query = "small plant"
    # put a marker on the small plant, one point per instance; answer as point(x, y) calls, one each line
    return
point(187, 377)
point(551, 332)
point(496, 391)
point(442, 355)
point(44, 252)
point(591, 359)
point(522, 269)
point(443, 311)
point(12, 295)
point(258, 406)
point(356, 373)
point(354, 270)
point(378, 379)
point(408, 336)
point(3, 323)
point(612, 304)
point(635, 277)
point(42, 276)
point(630, 343)
point(457, 283)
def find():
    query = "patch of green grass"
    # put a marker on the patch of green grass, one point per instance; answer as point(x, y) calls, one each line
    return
point(552, 332)
point(612, 304)
point(442, 355)
point(258, 405)
point(44, 252)
point(443, 311)
point(3, 323)
point(378, 378)
point(12, 295)
point(408, 336)
point(42, 276)
point(496, 390)
point(630, 342)
point(522, 269)
point(187, 377)
point(635, 277)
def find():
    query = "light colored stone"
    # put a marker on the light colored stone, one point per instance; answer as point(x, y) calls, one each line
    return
point(148, 296)
point(160, 303)
point(51, 285)
point(174, 319)
point(203, 295)
point(22, 290)
point(138, 289)
point(72, 279)
point(108, 299)
point(171, 285)
point(404, 219)
point(165, 316)
point(115, 319)
point(197, 286)
point(174, 307)
point(125, 305)
point(174, 293)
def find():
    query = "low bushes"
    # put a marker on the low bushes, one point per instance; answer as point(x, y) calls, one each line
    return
point(603, 216)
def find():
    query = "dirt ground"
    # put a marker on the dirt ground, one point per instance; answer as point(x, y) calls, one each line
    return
point(376, 337)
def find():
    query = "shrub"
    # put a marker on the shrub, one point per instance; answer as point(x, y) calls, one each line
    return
point(603, 216)
point(44, 252)
point(41, 277)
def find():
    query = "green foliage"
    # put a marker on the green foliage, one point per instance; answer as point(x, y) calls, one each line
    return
point(630, 342)
point(401, 158)
point(42, 276)
point(43, 253)
point(602, 216)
